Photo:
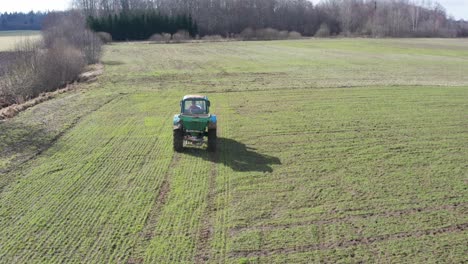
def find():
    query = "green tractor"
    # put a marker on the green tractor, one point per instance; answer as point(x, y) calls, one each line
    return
point(194, 123)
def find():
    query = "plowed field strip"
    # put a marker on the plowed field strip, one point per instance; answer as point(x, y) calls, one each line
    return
point(351, 243)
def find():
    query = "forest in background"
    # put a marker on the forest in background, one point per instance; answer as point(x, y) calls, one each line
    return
point(22, 21)
point(376, 18)
point(142, 24)
point(139, 19)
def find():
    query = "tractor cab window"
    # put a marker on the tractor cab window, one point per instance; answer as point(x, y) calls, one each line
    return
point(195, 107)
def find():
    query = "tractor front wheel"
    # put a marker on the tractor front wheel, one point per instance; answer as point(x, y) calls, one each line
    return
point(178, 140)
point(212, 138)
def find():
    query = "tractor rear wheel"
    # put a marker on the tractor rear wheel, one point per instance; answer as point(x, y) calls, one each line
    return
point(212, 138)
point(178, 140)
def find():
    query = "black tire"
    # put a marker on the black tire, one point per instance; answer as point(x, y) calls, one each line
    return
point(212, 138)
point(178, 140)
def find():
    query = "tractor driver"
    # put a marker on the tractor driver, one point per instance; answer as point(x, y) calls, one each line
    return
point(194, 108)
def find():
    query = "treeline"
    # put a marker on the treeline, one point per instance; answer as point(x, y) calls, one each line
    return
point(378, 18)
point(22, 21)
point(141, 25)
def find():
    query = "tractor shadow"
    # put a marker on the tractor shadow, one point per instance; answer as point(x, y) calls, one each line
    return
point(236, 155)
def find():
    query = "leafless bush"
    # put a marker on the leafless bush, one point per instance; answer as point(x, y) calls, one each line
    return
point(267, 34)
point(35, 70)
point(58, 66)
point(323, 31)
point(91, 47)
point(247, 34)
point(42, 66)
point(71, 28)
point(61, 25)
point(104, 37)
point(164, 37)
point(156, 38)
point(294, 35)
point(180, 36)
point(283, 34)
point(5, 58)
point(18, 83)
point(213, 38)
point(448, 33)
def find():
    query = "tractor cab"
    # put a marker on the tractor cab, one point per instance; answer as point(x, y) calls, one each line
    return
point(195, 105)
point(194, 123)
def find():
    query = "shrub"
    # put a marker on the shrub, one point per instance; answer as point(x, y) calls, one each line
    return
point(166, 37)
point(323, 31)
point(20, 79)
point(58, 66)
point(294, 35)
point(104, 37)
point(42, 66)
point(35, 70)
point(71, 27)
point(181, 36)
point(247, 34)
point(267, 34)
point(213, 38)
point(91, 46)
point(156, 38)
point(283, 34)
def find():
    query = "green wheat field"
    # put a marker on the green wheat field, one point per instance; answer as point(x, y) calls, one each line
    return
point(330, 150)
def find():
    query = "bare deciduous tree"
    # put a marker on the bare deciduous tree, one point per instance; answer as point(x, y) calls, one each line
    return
point(349, 17)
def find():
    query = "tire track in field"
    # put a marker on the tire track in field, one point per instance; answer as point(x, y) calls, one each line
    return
point(147, 233)
point(5, 181)
point(349, 243)
point(206, 231)
point(397, 213)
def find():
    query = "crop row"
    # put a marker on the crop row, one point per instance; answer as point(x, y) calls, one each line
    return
point(337, 165)
point(87, 197)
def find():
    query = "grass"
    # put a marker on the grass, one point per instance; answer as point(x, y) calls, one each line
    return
point(329, 151)
point(8, 39)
